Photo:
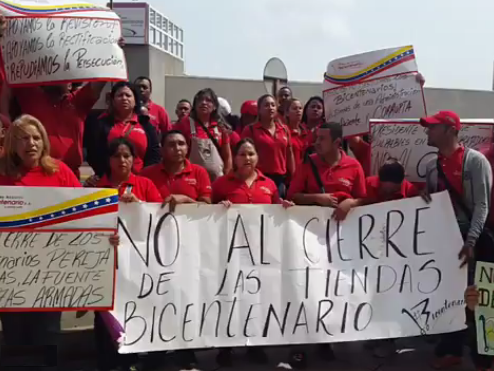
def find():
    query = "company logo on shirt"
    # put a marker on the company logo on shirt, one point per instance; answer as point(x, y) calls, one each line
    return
point(266, 190)
point(139, 130)
point(345, 182)
point(191, 181)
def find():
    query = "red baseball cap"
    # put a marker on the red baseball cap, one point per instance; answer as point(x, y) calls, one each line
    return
point(249, 107)
point(442, 117)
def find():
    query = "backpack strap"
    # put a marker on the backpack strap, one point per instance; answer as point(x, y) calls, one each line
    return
point(316, 174)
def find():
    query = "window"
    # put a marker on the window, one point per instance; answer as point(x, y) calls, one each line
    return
point(165, 42)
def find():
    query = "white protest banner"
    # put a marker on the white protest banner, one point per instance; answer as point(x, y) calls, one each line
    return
point(60, 41)
point(406, 140)
point(207, 276)
point(484, 312)
point(55, 252)
point(381, 84)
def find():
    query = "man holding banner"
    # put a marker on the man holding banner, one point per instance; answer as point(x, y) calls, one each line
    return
point(467, 175)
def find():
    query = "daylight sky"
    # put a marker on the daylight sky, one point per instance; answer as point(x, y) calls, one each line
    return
point(453, 39)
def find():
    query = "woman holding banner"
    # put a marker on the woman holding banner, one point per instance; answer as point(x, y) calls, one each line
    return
point(245, 185)
point(26, 162)
point(131, 187)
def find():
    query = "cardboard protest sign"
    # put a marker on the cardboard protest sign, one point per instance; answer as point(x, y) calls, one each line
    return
point(484, 312)
point(406, 140)
point(207, 276)
point(375, 85)
point(60, 41)
point(54, 248)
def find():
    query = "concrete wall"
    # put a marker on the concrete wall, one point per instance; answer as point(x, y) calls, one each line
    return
point(146, 60)
point(467, 103)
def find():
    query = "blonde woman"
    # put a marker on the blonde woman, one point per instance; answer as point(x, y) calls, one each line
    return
point(26, 162)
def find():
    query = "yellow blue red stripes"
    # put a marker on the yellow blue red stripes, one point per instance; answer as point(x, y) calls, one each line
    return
point(49, 9)
point(400, 56)
point(101, 202)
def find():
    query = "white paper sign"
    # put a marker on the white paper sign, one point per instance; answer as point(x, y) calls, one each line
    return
point(484, 312)
point(261, 275)
point(54, 248)
point(61, 42)
point(56, 270)
point(379, 85)
point(406, 140)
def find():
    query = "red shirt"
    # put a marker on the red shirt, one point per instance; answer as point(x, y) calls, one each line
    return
point(193, 181)
point(63, 121)
point(143, 188)
point(234, 139)
point(373, 195)
point(453, 169)
point(35, 177)
point(347, 176)
point(159, 117)
point(300, 142)
point(362, 152)
point(272, 149)
point(222, 137)
point(230, 188)
point(134, 132)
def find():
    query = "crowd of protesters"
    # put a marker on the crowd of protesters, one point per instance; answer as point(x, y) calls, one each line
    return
point(279, 150)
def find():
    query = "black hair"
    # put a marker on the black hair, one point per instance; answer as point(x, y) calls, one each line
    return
point(286, 87)
point(113, 148)
point(184, 101)
point(241, 143)
point(261, 99)
point(392, 171)
point(233, 121)
point(125, 84)
point(168, 133)
point(306, 108)
point(141, 78)
point(215, 116)
point(334, 128)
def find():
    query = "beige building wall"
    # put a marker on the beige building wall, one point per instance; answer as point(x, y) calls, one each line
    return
point(467, 103)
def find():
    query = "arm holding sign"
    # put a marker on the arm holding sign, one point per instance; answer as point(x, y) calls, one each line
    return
point(359, 194)
point(472, 297)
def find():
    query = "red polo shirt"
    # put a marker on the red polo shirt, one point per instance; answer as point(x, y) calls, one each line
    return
point(362, 152)
point(230, 188)
point(63, 121)
point(143, 188)
point(373, 195)
point(272, 149)
point(347, 176)
point(134, 132)
point(35, 177)
point(159, 117)
point(222, 137)
point(193, 181)
point(453, 169)
point(300, 142)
